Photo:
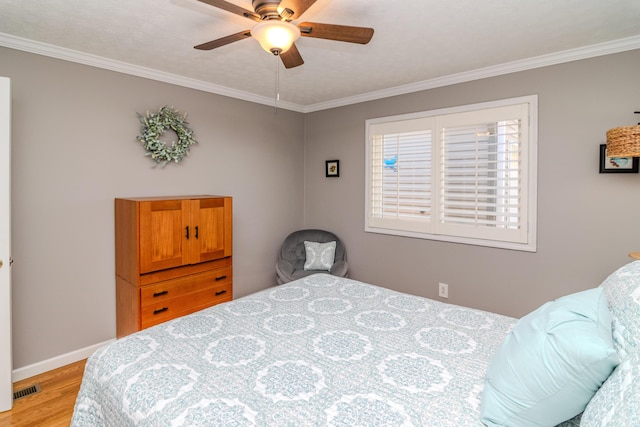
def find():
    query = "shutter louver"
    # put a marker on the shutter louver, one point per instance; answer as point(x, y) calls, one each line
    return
point(481, 175)
point(401, 185)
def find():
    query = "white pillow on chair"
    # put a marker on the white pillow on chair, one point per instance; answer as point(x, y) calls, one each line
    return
point(319, 256)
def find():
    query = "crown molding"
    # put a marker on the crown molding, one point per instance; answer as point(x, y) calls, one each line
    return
point(19, 43)
point(615, 46)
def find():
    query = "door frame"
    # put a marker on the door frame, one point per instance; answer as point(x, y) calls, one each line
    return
point(6, 361)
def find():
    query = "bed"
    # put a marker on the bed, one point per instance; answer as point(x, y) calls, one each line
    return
point(318, 351)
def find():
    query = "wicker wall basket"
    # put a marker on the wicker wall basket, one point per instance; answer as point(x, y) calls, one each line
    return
point(623, 141)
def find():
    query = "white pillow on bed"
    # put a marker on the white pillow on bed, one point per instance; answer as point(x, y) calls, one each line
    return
point(551, 364)
point(319, 256)
point(622, 288)
point(617, 403)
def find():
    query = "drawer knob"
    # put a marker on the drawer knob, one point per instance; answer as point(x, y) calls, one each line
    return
point(221, 292)
point(160, 310)
point(159, 294)
point(221, 277)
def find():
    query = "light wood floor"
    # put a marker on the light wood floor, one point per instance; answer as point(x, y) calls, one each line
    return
point(51, 407)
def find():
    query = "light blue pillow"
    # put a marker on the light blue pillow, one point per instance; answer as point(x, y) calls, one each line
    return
point(319, 256)
point(551, 364)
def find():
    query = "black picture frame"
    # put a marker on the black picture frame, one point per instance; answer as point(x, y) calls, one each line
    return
point(332, 168)
point(615, 164)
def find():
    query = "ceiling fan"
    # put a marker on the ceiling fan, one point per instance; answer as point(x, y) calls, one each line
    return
point(276, 33)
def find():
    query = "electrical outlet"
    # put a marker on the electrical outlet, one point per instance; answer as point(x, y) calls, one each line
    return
point(443, 290)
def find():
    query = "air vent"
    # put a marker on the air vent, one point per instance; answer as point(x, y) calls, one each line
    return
point(27, 391)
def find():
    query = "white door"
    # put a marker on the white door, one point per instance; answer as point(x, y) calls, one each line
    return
point(6, 365)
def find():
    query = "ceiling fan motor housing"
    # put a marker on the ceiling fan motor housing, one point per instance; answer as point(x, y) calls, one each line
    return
point(269, 10)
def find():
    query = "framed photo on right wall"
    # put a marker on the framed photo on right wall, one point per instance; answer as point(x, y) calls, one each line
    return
point(617, 164)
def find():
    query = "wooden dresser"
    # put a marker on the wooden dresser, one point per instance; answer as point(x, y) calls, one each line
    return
point(173, 257)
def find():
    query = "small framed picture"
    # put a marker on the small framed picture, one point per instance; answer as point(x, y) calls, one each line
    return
point(332, 168)
point(617, 164)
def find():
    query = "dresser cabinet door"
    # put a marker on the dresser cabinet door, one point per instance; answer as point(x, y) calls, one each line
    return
point(164, 225)
point(211, 219)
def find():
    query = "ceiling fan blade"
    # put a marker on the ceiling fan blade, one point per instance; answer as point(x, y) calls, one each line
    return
point(291, 58)
point(230, 7)
point(342, 33)
point(224, 40)
point(292, 9)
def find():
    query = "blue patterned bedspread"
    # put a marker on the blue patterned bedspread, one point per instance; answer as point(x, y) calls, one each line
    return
point(318, 351)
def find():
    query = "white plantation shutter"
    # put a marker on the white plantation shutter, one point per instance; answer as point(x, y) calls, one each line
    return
point(465, 174)
point(483, 185)
point(401, 182)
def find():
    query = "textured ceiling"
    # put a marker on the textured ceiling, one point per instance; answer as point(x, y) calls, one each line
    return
point(414, 41)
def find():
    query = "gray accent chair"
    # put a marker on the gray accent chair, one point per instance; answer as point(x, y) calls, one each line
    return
point(292, 256)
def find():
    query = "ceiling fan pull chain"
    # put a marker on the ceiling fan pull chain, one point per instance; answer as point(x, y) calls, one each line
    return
point(277, 83)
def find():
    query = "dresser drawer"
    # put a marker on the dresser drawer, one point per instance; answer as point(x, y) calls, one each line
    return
point(178, 297)
point(169, 289)
point(182, 305)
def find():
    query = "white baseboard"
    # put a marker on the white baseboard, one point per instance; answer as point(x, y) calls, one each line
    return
point(55, 362)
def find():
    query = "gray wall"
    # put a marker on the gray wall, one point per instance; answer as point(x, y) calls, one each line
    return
point(587, 222)
point(74, 151)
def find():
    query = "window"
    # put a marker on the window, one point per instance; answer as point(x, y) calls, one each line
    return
point(463, 174)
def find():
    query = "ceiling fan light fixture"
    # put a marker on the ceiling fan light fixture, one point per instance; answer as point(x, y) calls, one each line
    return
point(275, 36)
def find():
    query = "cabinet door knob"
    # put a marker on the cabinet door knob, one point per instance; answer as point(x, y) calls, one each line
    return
point(160, 310)
point(221, 292)
point(221, 277)
point(187, 231)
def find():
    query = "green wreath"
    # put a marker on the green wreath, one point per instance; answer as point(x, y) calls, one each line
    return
point(154, 125)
